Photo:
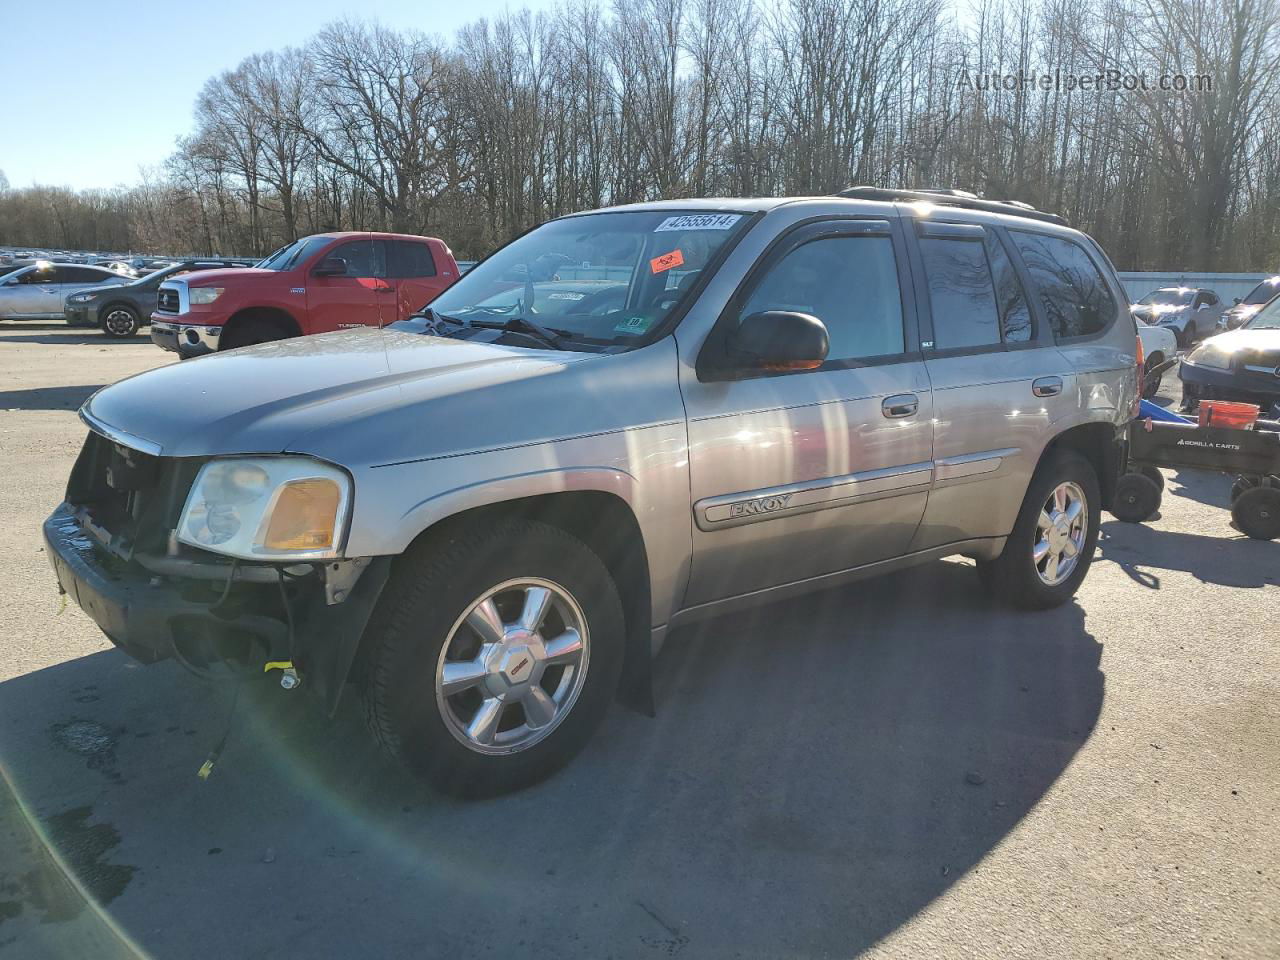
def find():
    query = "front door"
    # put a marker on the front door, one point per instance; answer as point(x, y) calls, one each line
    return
point(808, 473)
point(354, 298)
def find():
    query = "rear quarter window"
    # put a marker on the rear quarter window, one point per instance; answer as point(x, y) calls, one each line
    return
point(1073, 294)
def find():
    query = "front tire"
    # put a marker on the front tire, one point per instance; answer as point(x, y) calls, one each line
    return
point(120, 322)
point(1150, 384)
point(1049, 551)
point(246, 333)
point(495, 654)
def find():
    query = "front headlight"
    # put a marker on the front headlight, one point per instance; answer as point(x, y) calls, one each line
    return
point(1209, 355)
point(261, 508)
point(202, 295)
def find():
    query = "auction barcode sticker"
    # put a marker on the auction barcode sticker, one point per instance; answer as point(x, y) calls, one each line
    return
point(699, 221)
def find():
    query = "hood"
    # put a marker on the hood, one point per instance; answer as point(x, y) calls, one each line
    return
point(1254, 341)
point(370, 397)
point(1244, 338)
point(205, 278)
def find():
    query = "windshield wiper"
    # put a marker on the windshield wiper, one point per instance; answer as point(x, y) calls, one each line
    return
point(519, 324)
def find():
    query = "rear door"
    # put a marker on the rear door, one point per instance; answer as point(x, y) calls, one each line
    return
point(998, 381)
point(354, 298)
point(417, 276)
point(807, 473)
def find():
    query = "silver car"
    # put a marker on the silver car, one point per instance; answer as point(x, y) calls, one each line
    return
point(489, 516)
point(40, 291)
point(1189, 313)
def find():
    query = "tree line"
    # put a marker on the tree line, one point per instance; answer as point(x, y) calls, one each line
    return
point(532, 115)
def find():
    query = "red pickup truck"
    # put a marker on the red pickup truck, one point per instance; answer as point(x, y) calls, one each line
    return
point(330, 281)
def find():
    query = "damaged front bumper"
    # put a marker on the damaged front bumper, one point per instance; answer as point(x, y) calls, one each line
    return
point(203, 608)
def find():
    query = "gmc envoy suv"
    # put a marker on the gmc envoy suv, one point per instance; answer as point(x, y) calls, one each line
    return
point(488, 516)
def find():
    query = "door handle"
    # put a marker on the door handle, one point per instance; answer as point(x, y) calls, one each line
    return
point(1047, 386)
point(900, 405)
point(385, 289)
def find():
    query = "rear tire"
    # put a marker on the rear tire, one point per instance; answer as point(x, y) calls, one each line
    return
point(1256, 513)
point(1017, 577)
point(120, 322)
point(427, 639)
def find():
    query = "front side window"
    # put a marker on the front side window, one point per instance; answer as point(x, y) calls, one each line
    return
point(1075, 298)
point(598, 281)
point(39, 275)
point(961, 293)
point(364, 258)
point(850, 283)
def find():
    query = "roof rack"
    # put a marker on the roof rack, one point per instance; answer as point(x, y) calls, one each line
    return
point(951, 198)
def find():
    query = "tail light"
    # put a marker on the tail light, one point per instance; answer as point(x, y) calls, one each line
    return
point(1141, 360)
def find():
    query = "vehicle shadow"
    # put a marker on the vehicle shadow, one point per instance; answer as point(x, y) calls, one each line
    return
point(818, 772)
point(87, 338)
point(1230, 559)
point(1203, 486)
point(48, 398)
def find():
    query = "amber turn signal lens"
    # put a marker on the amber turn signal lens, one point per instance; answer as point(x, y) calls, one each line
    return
point(305, 516)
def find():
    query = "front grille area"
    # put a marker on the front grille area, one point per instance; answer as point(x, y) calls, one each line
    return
point(167, 301)
point(1269, 359)
point(127, 500)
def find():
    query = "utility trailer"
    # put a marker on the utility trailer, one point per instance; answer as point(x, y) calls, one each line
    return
point(1159, 438)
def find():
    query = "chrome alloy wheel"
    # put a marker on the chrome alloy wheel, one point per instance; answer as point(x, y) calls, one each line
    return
point(119, 322)
point(513, 666)
point(1060, 533)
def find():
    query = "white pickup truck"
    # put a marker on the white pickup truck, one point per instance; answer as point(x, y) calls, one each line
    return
point(1158, 345)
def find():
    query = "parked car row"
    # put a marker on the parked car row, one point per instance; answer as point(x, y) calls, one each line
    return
point(1234, 353)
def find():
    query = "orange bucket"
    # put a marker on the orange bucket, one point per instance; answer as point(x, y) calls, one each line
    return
point(1220, 413)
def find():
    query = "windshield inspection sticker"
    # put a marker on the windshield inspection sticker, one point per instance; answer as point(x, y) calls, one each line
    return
point(634, 325)
point(699, 221)
point(665, 262)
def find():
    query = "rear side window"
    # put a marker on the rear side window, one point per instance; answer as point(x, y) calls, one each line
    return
point(410, 259)
point(850, 283)
point(1074, 296)
point(961, 293)
point(83, 275)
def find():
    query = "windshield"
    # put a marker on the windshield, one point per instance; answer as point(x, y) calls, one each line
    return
point(600, 280)
point(1176, 298)
point(1268, 318)
point(286, 258)
point(1263, 291)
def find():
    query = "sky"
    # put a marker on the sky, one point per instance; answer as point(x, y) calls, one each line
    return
point(94, 90)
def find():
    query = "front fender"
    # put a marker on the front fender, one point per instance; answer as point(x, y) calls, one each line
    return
point(447, 503)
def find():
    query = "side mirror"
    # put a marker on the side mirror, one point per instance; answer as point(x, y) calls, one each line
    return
point(777, 341)
point(1237, 300)
point(1203, 306)
point(331, 267)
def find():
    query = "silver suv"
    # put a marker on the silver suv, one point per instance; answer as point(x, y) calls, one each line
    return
point(489, 516)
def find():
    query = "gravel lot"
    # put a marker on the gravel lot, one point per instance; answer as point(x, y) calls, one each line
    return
point(897, 769)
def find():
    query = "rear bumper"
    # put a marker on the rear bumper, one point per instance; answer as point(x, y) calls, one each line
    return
point(185, 339)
